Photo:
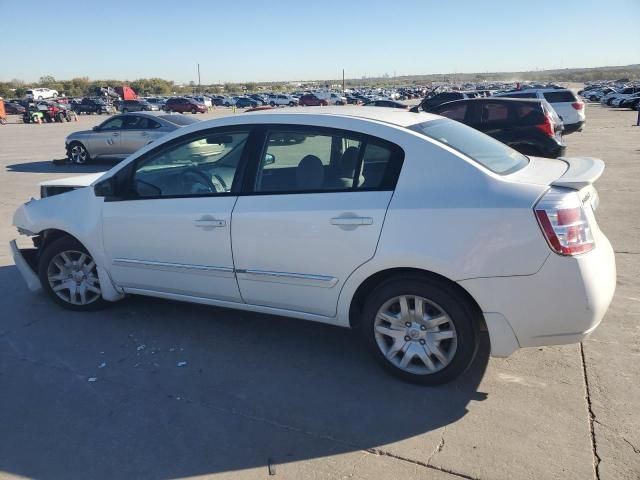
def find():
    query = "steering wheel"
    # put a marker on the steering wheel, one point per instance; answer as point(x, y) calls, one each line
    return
point(193, 180)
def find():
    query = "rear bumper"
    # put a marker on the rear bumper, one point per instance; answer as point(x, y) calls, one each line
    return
point(26, 261)
point(573, 127)
point(564, 302)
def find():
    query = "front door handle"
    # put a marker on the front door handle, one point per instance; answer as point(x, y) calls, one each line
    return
point(144, 134)
point(207, 222)
point(115, 134)
point(352, 221)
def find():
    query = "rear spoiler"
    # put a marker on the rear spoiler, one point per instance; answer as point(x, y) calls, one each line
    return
point(582, 171)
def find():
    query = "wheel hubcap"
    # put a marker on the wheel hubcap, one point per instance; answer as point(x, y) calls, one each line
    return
point(73, 278)
point(415, 334)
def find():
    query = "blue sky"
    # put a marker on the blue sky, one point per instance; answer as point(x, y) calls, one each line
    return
point(286, 40)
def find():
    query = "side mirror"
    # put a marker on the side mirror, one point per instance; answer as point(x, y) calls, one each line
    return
point(269, 159)
point(96, 128)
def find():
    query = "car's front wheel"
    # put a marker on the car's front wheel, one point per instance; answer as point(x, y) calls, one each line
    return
point(68, 274)
point(420, 329)
point(78, 153)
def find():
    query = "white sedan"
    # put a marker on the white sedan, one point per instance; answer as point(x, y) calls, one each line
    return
point(415, 229)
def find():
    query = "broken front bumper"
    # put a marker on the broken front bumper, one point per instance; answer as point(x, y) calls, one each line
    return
point(26, 260)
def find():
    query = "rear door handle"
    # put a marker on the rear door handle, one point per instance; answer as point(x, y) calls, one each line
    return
point(352, 221)
point(209, 223)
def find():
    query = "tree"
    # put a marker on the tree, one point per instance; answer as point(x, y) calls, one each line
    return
point(46, 80)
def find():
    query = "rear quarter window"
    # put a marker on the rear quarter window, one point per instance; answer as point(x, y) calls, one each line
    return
point(559, 97)
point(488, 152)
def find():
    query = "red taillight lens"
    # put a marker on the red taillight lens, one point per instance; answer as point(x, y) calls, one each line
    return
point(547, 127)
point(578, 105)
point(564, 223)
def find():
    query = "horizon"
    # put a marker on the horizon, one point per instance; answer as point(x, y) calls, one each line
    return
point(289, 43)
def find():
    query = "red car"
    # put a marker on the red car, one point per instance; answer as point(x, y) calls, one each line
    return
point(310, 100)
point(182, 105)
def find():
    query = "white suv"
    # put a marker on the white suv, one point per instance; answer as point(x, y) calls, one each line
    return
point(566, 104)
point(40, 94)
point(416, 230)
point(281, 99)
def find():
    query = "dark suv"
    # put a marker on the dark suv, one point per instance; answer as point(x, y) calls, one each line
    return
point(529, 126)
point(433, 101)
point(183, 105)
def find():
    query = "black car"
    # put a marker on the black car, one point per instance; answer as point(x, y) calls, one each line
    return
point(385, 103)
point(14, 108)
point(90, 105)
point(529, 126)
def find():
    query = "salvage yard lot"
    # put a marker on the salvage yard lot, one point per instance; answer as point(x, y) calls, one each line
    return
point(304, 400)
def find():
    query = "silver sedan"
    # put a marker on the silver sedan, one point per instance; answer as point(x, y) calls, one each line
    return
point(121, 135)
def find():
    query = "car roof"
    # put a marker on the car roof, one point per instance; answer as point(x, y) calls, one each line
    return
point(394, 116)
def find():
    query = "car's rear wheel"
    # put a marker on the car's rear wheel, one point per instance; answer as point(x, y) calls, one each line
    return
point(273, 104)
point(69, 275)
point(78, 153)
point(421, 330)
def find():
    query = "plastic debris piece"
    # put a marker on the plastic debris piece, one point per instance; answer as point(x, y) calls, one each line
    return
point(102, 365)
point(141, 347)
point(92, 379)
point(182, 364)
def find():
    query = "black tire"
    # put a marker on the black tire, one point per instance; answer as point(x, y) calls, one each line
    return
point(194, 111)
point(609, 101)
point(462, 314)
point(634, 105)
point(273, 104)
point(65, 244)
point(292, 104)
point(81, 147)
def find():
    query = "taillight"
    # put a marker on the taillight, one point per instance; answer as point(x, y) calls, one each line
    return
point(564, 222)
point(578, 105)
point(547, 126)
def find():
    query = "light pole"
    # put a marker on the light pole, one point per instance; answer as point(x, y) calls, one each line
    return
point(199, 78)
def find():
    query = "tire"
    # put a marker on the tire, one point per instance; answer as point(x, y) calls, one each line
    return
point(78, 154)
point(609, 101)
point(194, 111)
point(593, 98)
point(291, 104)
point(124, 110)
point(273, 104)
point(57, 267)
point(448, 341)
point(634, 105)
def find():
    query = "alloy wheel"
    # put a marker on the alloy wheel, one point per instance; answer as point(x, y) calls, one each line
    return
point(73, 277)
point(79, 154)
point(415, 334)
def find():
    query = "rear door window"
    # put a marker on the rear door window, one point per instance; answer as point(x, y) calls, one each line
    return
point(559, 97)
point(494, 112)
point(456, 111)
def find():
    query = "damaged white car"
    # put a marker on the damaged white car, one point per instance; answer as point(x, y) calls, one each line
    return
point(415, 229)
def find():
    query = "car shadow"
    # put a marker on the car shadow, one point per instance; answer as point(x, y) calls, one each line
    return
point(62, 166)
point(158, 389)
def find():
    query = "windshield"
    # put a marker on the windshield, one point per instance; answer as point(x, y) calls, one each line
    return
point(488, 152)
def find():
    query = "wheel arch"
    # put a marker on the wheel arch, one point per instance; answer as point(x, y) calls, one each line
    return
point(382, 276)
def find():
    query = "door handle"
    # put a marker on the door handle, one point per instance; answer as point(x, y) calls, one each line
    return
point(209, 223)
point(115, 134)
point(144, 134)
point(352, 221)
